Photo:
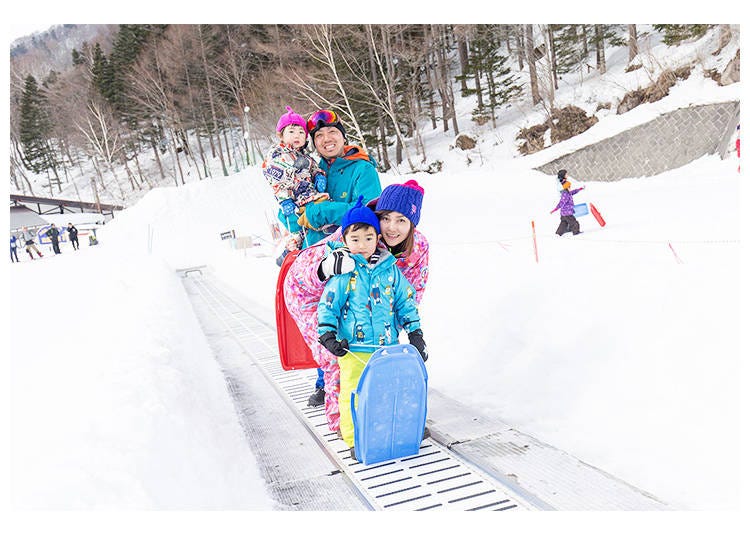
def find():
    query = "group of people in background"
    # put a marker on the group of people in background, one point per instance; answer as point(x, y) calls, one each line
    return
point(27, 240)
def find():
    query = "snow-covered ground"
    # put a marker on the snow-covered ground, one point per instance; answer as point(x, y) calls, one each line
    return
point(620, 346)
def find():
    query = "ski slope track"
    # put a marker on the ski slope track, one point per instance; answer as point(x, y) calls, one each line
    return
point(471, 462)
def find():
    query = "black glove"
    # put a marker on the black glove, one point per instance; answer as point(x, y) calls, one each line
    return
point(337, 348)
point(416, 340)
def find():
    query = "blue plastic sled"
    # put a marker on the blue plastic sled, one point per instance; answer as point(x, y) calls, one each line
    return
point(580, 210)
point(391, 405)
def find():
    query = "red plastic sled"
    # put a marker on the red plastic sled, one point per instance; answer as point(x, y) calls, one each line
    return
point(597, 215)
point(293, 350)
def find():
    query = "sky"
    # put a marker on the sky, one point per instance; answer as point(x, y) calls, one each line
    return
point(614, 347)
point(22, 30)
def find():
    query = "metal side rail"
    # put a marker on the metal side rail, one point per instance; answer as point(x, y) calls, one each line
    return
point(433, 479)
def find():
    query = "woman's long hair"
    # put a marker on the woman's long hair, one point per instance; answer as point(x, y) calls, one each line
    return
point(407, 245)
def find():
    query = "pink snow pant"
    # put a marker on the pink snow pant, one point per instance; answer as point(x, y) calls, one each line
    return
point(302, 292)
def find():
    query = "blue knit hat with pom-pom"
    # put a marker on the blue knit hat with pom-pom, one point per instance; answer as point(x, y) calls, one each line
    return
point(360, 213)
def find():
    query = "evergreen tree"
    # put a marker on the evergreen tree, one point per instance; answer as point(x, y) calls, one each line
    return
point(486, 63)
point(34, 127)
point(674, 34)
point(606, 35)
point(570, 51)
point(103, 78)
point(78, 58)
point(128, 44)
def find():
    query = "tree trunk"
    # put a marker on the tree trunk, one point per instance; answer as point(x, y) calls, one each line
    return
point(430, 74)
point(463, 58)
point(144, 178)
point(158, 159)
point(585, 46)
point(435, 41)
point(632, 42)
point(380, 129)
point(117, 180)
point(175, 157)
point(552, 56)
point(212, 104)
point(133, 182)
point(478, 89)
point(96, 194)
point(601, 61)
point(229, 149)
point(529, 41)
point(444, 85)
point(191, 155)
point(518, 30)
point(99, 175)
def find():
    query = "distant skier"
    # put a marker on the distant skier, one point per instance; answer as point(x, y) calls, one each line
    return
point(13, 248)
point(73, 235)
point(54, 235)
point(28, 237)
point(568, 221)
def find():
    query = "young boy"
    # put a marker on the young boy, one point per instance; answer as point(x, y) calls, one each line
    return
point(372, 303)
point(568, 221)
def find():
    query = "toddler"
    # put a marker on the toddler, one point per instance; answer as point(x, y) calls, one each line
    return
point(294, 176)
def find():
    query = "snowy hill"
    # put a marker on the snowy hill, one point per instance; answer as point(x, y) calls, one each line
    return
point(620, 345)
point(597, 94)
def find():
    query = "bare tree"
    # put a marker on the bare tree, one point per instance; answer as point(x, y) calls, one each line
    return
point(16, 165)
point(210, 95)
point(632, 42)
point(385, 68)
point(552, 58)
point(531, 61)
point(463, 56)
point(324, 50)
point(445, 88)
point(100, 130)
point(601, 60)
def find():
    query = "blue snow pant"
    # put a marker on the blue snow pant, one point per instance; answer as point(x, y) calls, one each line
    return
point(319, 383)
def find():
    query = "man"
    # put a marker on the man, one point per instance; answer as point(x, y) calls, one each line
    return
point(54, 234)
point(73, 235)
point(13, 248)
point(350, 172)
point(28, 237)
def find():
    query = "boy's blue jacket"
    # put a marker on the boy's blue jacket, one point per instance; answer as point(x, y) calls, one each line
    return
point(370, 304)
point(348, 177)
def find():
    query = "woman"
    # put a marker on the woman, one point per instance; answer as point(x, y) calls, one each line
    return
point(398, 209)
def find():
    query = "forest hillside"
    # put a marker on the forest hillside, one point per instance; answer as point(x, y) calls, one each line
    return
point(143, 106)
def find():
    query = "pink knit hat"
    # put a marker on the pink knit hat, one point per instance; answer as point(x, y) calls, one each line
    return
point(291, 118)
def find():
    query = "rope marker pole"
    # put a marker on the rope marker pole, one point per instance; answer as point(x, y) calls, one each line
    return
point(533, 232)
point(677, 258)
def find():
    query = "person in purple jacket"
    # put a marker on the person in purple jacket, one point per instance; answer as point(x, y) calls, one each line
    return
point(568, 221)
